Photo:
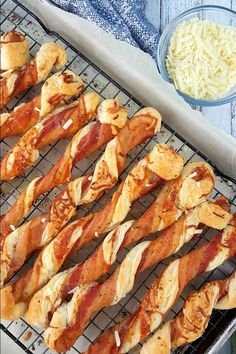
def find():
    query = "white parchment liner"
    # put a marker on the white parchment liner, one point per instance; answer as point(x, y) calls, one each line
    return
point(136, 71)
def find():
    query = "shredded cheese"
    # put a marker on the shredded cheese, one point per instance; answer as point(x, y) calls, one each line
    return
point(68, 124)
point(201, 59)
point(117, 338)
point(197, 232)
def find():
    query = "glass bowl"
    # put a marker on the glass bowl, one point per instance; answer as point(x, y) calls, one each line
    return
point(218, 14)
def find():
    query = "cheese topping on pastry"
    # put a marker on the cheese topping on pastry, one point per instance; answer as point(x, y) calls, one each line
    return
point(49, 54)
point(164, 297)
point(168, 288)
point(106, 170)
point(198, 182)
point(153, 113)
point(45, 300)
point(14, 50)
point(91, 101)
point(222, 255)
point(29, 195)
point(75, 189)
point(64, 83)
point(128, 193)
point(46, 236)
point(213, 215)
point(3, 118)
point(228, 301)
point(111, 244)
point(223, 251)
point(160, 342)
point(65, 315)
point(111, 112)
point(165, 162)
point(128, 270)
point(11, 80)
point(197, 311)
point(8, 252)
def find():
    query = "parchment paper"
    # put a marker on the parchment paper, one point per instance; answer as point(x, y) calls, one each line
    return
point(136, 71)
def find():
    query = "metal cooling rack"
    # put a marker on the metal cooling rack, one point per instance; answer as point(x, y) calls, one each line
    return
point(15, 15)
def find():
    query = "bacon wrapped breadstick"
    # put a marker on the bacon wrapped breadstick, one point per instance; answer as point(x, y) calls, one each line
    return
point(167, 207)
point(111, 117)
point(41, 230)
point(193, 319)
point(68, 120)
point(15, 81)
point(112, 290)
point(57, 89)
point(14, 50)
point(140, 180)
point(155, 305)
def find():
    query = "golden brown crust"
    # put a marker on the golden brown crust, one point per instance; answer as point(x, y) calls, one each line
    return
point(64, 123)
point(74, 235)
point(193, 319)
point(15, 81)
point(41, 230)
point(85, 141)
point(141, 257)
point(57, 89)
point(14, 50)
point(162, 295)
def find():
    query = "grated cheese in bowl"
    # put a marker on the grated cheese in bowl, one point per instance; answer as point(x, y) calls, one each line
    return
point(201, 59)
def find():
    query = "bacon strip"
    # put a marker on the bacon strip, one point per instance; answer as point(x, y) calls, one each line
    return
point(57, 126)
point(57, 89)
point(41, 230)
point(157, 302)
point(101, 261)
point(15, 81)
point(139, 181)
point(193, 319)
point(87, 140)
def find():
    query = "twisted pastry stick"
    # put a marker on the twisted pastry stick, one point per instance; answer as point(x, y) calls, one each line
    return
point(193, 319)
point(111, 117)
point(163, 212)
point(15, 81)
point(14, 50)
point(91, 298)
point(64, 123)
point(157, 302)
point(41, 230)
point(15, 297)
point(57, 89)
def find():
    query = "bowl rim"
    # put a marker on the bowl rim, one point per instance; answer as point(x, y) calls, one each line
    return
point(163, 72)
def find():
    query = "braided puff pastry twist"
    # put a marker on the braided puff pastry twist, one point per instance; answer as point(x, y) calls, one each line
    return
point(159, 216)
point(68, 120)
point(14, 50)
point(41, 230)
point(57, 89)
point(15, 81)
point(112, 290)
point(85, 141)
point(157, 302)
point(193, 319)
point(139, 181)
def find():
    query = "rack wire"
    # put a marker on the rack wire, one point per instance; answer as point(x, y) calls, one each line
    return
point(15, 15)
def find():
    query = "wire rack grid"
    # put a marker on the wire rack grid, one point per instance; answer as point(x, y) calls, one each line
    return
point(14, 15)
